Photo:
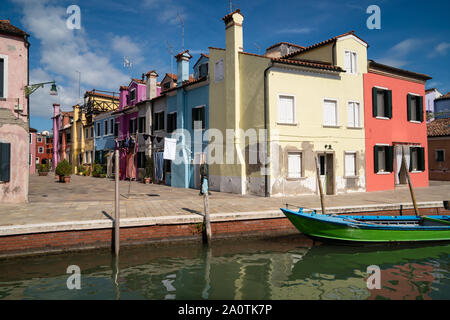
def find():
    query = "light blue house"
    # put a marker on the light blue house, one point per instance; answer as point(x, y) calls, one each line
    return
point(442, 106)
point(188, 108)
point(105, 133)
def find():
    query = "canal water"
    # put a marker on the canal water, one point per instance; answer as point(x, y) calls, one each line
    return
point(279, 268)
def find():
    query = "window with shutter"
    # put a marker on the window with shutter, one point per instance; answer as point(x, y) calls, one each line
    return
point(286, 109)
point(415, 107)
point(2, 81)
point(353, 115)
point(111, 126)
point(198, 118)
point(350, 164)
point(383, 159)
point(5, 162)
point(294, 165)
point(350, 60)
point(142, 125)
point(105, 130)
point(330, 113)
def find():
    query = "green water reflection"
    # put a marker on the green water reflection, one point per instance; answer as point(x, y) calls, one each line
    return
point(281, 268)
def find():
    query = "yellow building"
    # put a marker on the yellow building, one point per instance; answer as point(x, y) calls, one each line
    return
point(83, 131)
point(311, 103)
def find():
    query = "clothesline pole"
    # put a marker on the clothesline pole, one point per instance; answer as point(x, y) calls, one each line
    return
point(117, 207)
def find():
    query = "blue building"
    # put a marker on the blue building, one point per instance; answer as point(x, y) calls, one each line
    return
point(442, 106)
point(105, 133)
point(188, 108)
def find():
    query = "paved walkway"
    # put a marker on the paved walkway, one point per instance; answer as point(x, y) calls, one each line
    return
point(91, 199)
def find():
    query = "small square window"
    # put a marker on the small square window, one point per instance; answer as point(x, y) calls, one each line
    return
point(440, 155)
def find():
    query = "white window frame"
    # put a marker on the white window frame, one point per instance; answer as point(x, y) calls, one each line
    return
point(383, 145)
point(39, 139)
point(359, 126)
point(354, 153)
point(134, 89)
point(352, 72)
point(337, 113)
point(39, 149)
point(295, 153)
point(294, 109)
point(5, 76)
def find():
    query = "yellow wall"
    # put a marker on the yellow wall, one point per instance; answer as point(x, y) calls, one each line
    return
point(323, 53)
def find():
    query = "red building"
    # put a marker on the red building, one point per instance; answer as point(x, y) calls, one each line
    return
point(44, 148)
point(395, 127)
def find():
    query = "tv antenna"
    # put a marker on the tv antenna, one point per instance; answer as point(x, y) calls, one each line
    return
point(171, 53)
point(182, 28)
point(128, 64)
point(257, 47)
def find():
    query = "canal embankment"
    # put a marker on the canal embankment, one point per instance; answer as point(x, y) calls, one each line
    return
point(54, 237)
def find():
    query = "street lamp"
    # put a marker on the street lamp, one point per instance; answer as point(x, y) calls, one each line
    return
point(33, 87)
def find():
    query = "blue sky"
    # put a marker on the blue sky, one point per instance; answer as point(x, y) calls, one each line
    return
point(413, 36)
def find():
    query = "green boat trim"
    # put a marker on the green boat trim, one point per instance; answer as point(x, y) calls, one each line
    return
point(369, 229)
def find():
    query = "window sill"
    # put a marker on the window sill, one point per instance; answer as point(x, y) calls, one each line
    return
point(383, 172)
point(383, 118)
point(294, 124)
point(414, 121)
point(351, 177)
point(355, 128)
point(330, 126)
point(416, 171)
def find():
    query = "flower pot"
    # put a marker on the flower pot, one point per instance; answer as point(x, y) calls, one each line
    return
point(43, 174)
point(146, 180)
point(56, 177)
point(66, 179)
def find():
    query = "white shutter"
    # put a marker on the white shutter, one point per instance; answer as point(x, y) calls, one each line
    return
point(286, 109)
point(357, 121)
point(354, 63)
point(347, 62)
point(351, 114)
point(329, 113)
point(294, 165)
point(350, 170)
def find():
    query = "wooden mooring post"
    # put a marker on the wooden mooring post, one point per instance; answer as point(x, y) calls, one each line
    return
point(411, 190)
point(117, 207)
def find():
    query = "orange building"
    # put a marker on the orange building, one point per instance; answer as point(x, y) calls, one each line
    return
point(395, 127)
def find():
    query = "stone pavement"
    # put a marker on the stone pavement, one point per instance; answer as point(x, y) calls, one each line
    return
point(92, 199)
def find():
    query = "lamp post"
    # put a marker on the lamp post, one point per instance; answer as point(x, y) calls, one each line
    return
point(33, 87)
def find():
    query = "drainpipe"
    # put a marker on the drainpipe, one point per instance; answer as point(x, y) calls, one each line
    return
point(266, 177)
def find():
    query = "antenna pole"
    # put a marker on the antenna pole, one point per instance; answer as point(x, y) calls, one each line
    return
point(182, 30)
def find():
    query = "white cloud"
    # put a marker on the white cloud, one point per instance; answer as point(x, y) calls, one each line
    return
point(440, 50)
point(125, 46)
point(397, 56)
point(62, 53)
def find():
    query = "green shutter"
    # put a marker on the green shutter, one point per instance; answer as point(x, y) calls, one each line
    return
point(375, 158)
point(420, 108)
point(408, 106)
point(421, 159)
point(389, 158)
point(388, 97)
point(374, 102)
point(5, 162)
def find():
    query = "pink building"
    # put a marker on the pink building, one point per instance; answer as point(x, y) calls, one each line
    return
point(14, 114)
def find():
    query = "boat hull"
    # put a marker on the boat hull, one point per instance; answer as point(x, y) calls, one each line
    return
point(336, 228)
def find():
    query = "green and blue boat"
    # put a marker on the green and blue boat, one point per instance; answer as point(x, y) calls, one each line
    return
point(370, 229)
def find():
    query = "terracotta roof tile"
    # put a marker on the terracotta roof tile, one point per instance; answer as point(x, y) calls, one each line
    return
point(319, 44)
point(7, 28)
point(228, 16)
point(373, 65)
point(310, 64)
point(182, 53)
point(138, 80)
point(439, 127)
